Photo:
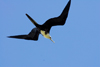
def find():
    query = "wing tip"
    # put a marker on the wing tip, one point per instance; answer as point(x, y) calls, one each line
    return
point(26, 14)
point(8, 36)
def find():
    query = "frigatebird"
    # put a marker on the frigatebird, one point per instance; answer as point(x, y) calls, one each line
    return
point(44, 29)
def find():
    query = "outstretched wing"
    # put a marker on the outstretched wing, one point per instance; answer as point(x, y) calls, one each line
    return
point(33, 35)
point(18, 36)
point(58, 20)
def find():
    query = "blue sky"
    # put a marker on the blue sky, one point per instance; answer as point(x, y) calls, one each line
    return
point(77, 43)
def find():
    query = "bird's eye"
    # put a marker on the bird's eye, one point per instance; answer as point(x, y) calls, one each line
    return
point(50, 37)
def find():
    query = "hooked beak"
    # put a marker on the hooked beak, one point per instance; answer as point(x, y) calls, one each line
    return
point(52, 40)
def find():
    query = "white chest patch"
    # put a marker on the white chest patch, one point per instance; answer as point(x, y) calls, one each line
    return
point(45, 35)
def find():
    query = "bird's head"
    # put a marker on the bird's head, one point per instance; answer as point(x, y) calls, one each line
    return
point(46, 35)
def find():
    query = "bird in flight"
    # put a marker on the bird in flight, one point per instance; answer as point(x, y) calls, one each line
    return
point(44, 29)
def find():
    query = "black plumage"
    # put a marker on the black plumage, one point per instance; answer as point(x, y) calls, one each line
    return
point(33, 35)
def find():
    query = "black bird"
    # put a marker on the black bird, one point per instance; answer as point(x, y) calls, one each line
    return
point(44, 29)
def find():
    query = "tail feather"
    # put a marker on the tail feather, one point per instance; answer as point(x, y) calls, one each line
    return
point(36, 24)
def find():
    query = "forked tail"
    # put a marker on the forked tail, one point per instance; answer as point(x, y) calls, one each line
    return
point(36, 24)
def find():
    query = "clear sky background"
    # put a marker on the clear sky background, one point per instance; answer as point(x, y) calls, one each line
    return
point(77, 43)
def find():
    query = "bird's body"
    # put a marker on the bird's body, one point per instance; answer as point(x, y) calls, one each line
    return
point(44, 29)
